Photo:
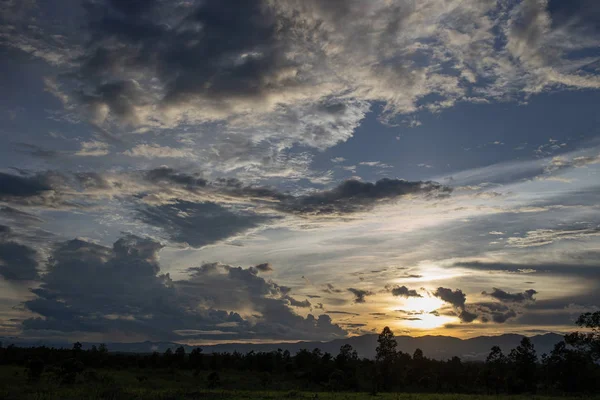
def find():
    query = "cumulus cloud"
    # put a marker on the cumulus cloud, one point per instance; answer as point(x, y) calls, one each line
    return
point(503, 296)
point(403, 291)
point(297, 303)
point(457, 299)
point(360, 295)
point(495, 312)
point(264, 267)
point(93, 288)
point(501, 318)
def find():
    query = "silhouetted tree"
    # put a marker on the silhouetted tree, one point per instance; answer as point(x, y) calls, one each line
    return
point(523, 361)
point(385, 355)
point(587, 341)
point(495, 370)
point(567, 369)
point(197, 359)
point(180, 356)
point(77, 347)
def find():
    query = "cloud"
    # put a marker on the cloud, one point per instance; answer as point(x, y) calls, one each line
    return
point(455, 297)
point(198, 224)
point(375, 164)
point(543, 237)
point(501, 318)
point(503, 296)
point(329, 288)
point(155, 151)
point(264, 267)
point(298, 73)
point(93, 148)
point(15, 186)
point(359, 294)
point(18, 262)
point(93, 288)
point(467, 316)
point(297, 303)
point(581, 269)
point(18, 216)
point(354, 196)
point(403, 291)
point(166, 175)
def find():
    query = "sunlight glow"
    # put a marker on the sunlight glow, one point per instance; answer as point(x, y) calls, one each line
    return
point(415, 312)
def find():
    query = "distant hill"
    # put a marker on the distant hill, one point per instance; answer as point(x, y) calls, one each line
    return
point(438, 347)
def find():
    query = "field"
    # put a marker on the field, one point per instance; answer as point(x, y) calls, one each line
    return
point(173, 385)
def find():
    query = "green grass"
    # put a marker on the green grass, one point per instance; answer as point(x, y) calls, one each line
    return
point(175, 385)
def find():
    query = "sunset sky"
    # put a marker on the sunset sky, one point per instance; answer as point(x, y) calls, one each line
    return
point(204, 171)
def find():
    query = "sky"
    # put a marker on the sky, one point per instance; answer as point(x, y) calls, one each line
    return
point(252, 171)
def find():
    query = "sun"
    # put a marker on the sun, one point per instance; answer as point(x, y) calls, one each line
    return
point(416, 313)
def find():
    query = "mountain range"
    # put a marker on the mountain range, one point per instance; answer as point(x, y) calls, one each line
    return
point(438, 347)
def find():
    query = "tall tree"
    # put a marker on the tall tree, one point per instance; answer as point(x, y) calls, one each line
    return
point(386, 354)
point(524, 362)
point(495, 370)
point(587, 341)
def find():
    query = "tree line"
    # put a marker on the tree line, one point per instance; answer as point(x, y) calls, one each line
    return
point(571, 367)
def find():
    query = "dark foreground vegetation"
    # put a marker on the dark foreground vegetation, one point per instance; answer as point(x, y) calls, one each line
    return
point(571, 369)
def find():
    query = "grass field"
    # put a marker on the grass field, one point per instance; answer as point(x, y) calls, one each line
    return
point(121, 385)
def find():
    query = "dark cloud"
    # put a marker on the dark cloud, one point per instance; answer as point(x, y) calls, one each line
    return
point(236, 56)
point(403, 291)
point(329, 288)
point(455, 297)
point(36, 151)
point(18, 262)
point(198, 224)
point(5, 231)
point(354, 196)
point(351, 196)
point(297, 303)
point(503, 296)
point(342, 313)
point(91, 181)
point(497, 312)
point(15, 186)
point(93, 288)
point(586, 267)
point(467, 316)
point(359, 294)
point(166, 175)
point(18, 216)
point(264, 267)
point(501, 318)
